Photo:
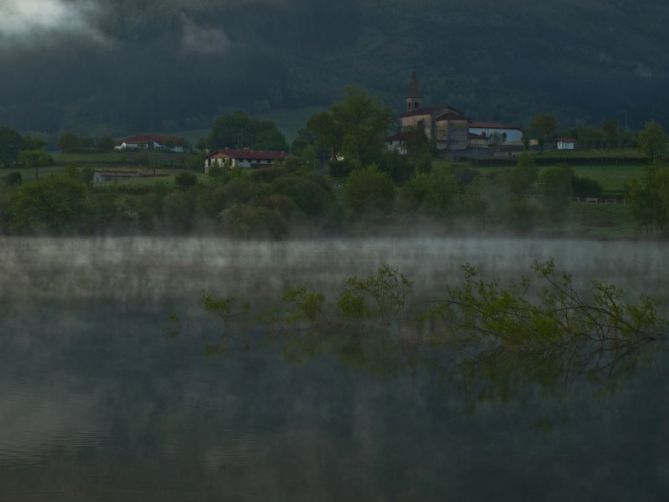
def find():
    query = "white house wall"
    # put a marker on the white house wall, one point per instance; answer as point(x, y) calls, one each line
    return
point(512, 135)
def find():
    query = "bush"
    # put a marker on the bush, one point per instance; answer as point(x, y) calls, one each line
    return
point(369, 190)
point(55, 205)
point(178, 209)
point(185, 180)
point(586, 187)
point(13, 179)
point(555, 190)
point(433, 191)
point(309, 196)
point(253, 221)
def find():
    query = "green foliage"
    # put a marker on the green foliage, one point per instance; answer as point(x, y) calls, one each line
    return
point(53, 205)
point(369, 190)
point(185, 181)
point(179, 209)
point(521, 178)
point(653, 140)
point(493, 340)
point(433, 192)
point(254, 221)
point(355, 128)
point(238, 130)
point(586, 187)
point(383, 295)
point(13, 179)
point(309, 195)
point(11, 144)
point(543, 127)
point(650, 199)
point(305, 305)
point(555, 189)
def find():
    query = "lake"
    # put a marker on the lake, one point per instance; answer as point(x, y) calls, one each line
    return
point(101, 402)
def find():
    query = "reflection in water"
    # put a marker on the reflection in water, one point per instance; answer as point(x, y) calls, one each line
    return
point(98, 404)
point(493, 340)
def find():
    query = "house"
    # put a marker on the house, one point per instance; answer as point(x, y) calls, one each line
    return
point(243, 159)
point(497, 134)
point(137, 142)
point(566, 144)
point(396, 143)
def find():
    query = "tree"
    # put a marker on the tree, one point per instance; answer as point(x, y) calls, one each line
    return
point(611, 129)
point(653, 140)
point(69, 142)
point(11, 143)
point(556, 189)
point(433, 191)
point(369, 189)
point(364, 123)
point(326, 133)
point(238, 130)
point(543, 127)
point(521, 178)
point(35, 159)
point(650, 199)
point(354, 128)
point(55, 204)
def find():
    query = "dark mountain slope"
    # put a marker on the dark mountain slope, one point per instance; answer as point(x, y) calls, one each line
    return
point(173, 64)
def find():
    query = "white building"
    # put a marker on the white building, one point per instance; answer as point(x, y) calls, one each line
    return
point(243, 159)
point(497, 133)
point(566, 144)
point(151, 142)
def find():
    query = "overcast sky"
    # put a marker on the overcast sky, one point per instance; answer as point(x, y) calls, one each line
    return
point(28, 21)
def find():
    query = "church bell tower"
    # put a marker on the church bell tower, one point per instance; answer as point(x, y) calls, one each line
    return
point(414, 99)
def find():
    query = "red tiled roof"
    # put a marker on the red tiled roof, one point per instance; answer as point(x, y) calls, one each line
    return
point(161, 139)
point(230, 153)
point(491, 125)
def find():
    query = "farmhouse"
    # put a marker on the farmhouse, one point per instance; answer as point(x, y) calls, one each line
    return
point(151, 142)
point(244, 159)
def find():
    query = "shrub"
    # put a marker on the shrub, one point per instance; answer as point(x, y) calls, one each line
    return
point(369, 190)
point(55, 204)
point(13, 179)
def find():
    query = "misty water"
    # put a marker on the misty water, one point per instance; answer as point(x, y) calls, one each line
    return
point(101, 402)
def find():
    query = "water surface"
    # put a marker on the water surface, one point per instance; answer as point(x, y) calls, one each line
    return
point(99, 403)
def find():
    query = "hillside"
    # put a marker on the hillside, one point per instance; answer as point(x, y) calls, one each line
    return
point(172, 65)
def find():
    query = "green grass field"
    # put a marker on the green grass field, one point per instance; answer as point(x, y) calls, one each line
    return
point(613, 178)
point(594, 153)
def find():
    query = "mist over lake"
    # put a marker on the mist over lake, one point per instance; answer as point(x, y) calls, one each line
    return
point(99, 402)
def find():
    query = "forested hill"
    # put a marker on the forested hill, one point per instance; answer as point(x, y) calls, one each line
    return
point(175, 64)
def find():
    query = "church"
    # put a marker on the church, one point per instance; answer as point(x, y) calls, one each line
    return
point(452, 132)
point(443, 124)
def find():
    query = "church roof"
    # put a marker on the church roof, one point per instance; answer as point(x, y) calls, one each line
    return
point(440, 112)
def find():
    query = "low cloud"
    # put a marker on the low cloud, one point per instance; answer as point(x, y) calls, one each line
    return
point(203, 39)
point(28, 22)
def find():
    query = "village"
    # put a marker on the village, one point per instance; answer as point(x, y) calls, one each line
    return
point(454, 135)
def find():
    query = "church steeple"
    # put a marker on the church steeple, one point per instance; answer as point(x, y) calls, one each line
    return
point(414, 99)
